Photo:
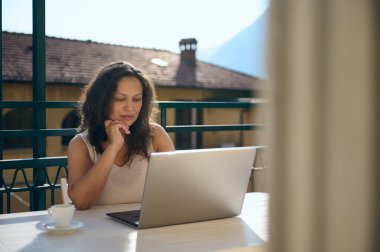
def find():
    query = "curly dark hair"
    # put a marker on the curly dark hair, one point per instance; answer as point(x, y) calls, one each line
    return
point(95, 107)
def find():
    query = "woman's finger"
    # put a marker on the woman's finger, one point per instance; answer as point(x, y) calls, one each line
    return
point(107, 123)
point(125, 129)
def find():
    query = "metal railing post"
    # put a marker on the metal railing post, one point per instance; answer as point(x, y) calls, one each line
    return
point(38, 200)
point(1, 98)
point(163, 116)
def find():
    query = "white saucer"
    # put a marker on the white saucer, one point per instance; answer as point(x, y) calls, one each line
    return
point(51, 227)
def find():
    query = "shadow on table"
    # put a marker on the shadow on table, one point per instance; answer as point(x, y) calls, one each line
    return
point(201, 236)
point(14, 220)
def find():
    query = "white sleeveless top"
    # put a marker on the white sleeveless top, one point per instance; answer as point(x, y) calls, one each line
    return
point(125, 184)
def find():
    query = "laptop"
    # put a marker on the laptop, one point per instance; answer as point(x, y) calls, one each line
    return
point(192, 185)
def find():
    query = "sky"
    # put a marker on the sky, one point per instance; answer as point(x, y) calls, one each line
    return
point(159, 24)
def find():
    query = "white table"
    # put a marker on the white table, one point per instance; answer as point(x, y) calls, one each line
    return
point(24, 232)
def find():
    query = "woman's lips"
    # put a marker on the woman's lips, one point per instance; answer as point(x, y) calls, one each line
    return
point(127, 118)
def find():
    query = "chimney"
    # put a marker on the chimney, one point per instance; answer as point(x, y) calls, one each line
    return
point(188, 48)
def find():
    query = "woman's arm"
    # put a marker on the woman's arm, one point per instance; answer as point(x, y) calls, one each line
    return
point(161, 139)
point(87, 180)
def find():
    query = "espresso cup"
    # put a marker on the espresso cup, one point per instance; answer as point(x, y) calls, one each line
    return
point(62, 214)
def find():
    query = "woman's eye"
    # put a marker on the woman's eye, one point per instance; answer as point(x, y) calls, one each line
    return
point(137, 99)
point(119, 99)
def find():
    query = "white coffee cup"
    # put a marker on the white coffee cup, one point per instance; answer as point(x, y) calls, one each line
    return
point(62, 214)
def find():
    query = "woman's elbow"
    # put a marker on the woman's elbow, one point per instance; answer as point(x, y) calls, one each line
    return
point(79, 203)
point(81, 206)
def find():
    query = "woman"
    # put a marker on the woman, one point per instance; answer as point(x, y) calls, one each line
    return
point(108, 160)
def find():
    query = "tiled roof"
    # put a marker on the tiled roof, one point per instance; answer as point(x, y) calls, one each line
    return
point(75, 62)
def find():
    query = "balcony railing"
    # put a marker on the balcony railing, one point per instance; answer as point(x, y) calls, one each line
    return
point(41, 167)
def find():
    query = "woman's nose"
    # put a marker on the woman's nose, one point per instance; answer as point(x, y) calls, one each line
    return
point(128, 105)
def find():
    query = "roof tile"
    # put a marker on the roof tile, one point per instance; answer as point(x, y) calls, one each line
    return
point(75, 62)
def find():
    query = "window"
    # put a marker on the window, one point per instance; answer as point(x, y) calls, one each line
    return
point(188, 140)
point(71, 120)
point(15, 119)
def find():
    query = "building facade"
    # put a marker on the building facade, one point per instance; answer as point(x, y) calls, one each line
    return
point(70, 64)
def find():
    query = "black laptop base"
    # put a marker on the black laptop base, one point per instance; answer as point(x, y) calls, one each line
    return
point(131, 218)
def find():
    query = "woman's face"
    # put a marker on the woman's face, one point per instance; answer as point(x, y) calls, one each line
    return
point(127, 100)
